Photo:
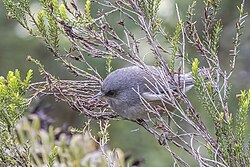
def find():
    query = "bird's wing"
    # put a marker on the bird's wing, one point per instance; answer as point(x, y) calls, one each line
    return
point(149, 96)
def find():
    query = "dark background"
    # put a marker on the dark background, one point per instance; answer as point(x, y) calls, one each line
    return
point(16, 45)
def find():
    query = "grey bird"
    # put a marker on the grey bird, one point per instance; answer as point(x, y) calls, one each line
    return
point(128, 90)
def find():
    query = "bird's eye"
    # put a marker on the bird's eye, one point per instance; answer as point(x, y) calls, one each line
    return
point(110, 93)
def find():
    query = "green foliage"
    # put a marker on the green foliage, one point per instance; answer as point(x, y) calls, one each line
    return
point(206, 96)
point(205, 92)
point(85, 20)
point(236, 42)
point(241, 123)
point(52, 36)
point(212, 27)
point(88, 11)
point(215, 38)
point(207, 45)
point(231, 140)
point(191, 10)
point(174, 42)
point(41, 24)
point(150, 7)
point(108, 64)
point(57, 147)
point(62, 12)
point(12, 106)
point(13, 103)
point(18, 11)
point(52, 157)
point(46, 24)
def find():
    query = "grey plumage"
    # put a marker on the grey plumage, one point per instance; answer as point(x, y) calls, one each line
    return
point(124, 89)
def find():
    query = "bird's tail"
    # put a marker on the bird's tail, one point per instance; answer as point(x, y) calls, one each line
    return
point(187, 80)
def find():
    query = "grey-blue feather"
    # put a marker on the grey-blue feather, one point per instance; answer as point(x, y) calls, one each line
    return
point(124, 89)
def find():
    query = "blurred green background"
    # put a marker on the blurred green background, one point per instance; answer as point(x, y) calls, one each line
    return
point(16, 45)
